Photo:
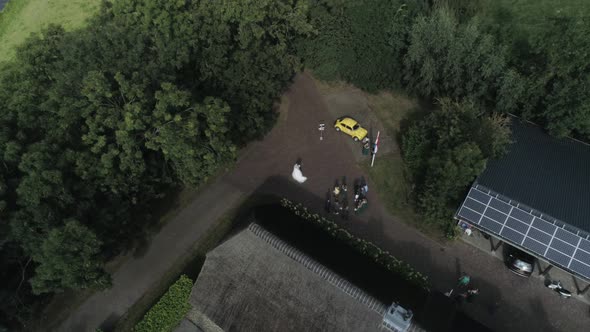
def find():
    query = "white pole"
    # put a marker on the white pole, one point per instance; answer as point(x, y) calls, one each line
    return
point(375, 150)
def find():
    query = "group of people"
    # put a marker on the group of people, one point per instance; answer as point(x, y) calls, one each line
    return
point(360, 197)
point(464, 290)
point(337, 198)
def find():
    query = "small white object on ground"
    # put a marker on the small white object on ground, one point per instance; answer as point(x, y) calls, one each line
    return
point(297, 175)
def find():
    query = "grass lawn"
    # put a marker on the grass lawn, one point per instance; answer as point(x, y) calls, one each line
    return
point(389, 173)
point(20, 18)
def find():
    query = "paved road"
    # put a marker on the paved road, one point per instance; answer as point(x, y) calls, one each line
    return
point(506, 303)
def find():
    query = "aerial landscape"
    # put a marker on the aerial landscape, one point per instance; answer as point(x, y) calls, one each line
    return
point(294, 165)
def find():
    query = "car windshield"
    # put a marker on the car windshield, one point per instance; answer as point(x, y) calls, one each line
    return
point(524, 266)
point(356, 126)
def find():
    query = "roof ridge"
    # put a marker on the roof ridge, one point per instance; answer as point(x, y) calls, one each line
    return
point(545, 131)
point(318, 269)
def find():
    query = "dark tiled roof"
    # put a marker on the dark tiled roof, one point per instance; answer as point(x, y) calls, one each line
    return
point(548, 174)
point(256, 282)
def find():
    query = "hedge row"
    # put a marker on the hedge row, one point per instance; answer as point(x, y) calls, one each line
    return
point(170, 309)
point(382, 257)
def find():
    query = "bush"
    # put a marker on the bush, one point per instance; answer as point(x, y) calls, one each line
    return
point(446, 151)
point(169, 310)
point(362, 42)
point(367, 248)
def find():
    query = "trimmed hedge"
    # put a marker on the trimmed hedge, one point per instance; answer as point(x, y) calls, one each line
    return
point(381, 257)
point(170, 309)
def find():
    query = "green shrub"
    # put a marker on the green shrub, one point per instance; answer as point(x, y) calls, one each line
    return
point(445, 151)
point(169, 310)
point(367, 248)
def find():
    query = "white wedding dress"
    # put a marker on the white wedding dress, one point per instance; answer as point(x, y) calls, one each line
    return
point(297, 175)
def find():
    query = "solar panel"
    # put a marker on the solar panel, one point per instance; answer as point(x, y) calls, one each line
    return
point(560, 244)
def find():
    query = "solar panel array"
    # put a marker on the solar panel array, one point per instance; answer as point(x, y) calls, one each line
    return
point(527, 228)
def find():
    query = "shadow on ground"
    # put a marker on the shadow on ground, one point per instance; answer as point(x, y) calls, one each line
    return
point(490, 307)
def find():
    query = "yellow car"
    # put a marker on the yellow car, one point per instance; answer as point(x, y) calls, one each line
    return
point(350, 127)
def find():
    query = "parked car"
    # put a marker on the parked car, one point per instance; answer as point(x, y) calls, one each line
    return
point(520, 263)
point(351, 127)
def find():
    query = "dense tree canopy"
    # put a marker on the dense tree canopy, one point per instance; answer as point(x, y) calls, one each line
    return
point(445, 152)
point(360, 41)
point(67, 260)
point(566, 78)
point(446, 58)
point(95, 124)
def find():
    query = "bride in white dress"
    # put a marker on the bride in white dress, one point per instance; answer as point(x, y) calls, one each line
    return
point(297, 175)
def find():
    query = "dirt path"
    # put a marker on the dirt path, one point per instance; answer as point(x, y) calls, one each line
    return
point(506, 303)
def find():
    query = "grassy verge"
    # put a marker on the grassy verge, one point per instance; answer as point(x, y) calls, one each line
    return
point(20, 18)
point(170, 309)
point(394, 190)
point(389, 173)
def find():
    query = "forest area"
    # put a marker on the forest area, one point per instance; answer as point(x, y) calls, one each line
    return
point(98, 123)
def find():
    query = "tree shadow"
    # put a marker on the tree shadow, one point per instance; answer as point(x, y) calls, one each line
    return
point(108, 324)
point(489, 307)
point(540, 316)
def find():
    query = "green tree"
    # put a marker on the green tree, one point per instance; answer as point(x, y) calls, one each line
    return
point(193, 137)
point(69, 258)
point(446, 150)
point(248, 56)
point(447, 175)
point(567, 79)
point(362, 42)
point(446, 58)
point(547, 51)
point(378, 40)
point(97, 124)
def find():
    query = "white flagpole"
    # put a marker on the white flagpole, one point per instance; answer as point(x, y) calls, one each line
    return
point(375, 151)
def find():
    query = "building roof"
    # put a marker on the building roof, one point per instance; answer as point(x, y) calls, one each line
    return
point(527, 229)
point(256, 282)
point(537, 198)
point(547, 174)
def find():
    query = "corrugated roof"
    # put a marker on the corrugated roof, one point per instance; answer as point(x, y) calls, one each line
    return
point(548, 174)
point(256, 282)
